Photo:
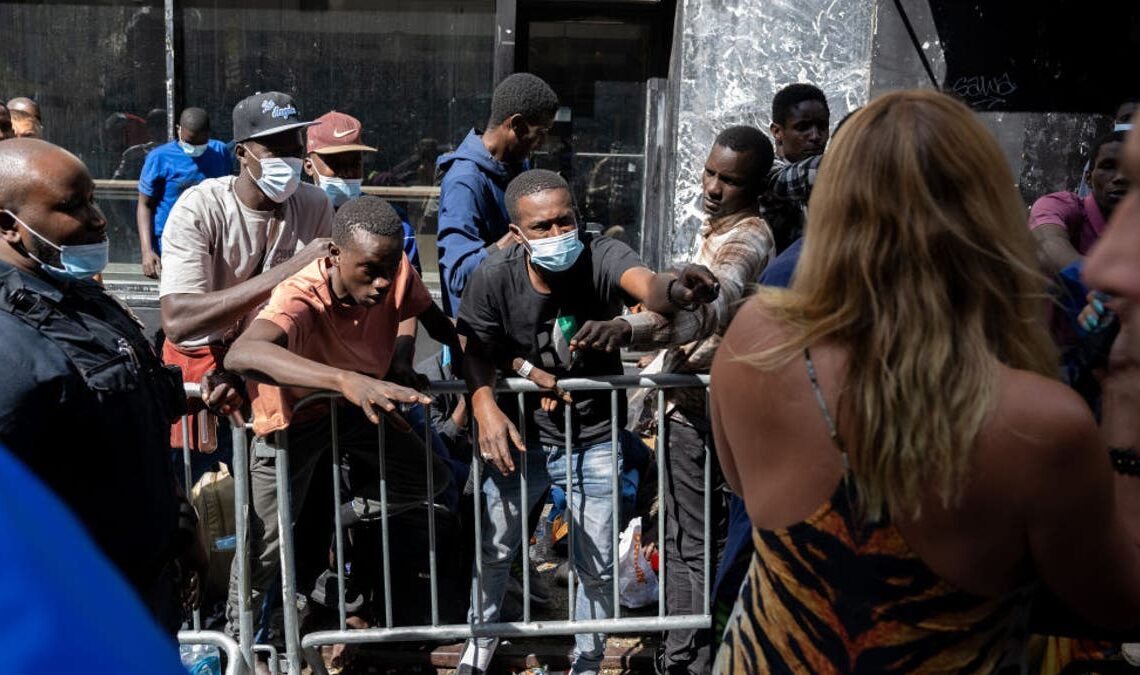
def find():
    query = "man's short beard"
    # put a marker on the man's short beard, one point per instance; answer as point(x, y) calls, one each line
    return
point(42, 252)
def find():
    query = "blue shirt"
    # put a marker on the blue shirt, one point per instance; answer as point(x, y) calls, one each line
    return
point(780, 272)
point(62, 602)
point(168, 172)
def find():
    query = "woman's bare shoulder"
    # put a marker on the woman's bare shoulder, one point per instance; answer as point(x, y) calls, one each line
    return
point(1041, 423)
point(756, 326)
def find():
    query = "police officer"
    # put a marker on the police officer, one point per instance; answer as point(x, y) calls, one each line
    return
point(86, 404)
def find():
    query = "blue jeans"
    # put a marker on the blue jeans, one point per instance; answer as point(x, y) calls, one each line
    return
point(592, 552)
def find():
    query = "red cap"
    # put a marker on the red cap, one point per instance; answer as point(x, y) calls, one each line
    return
point(336, 132)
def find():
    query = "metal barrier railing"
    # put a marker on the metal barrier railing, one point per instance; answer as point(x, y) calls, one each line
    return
point(311, 643)
point(240, 659)
point(129, 189)
point(234, 663)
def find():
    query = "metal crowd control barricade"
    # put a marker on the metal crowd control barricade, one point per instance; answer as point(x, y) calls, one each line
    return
point(312, 642)
point(239, 655)
point(234, 663)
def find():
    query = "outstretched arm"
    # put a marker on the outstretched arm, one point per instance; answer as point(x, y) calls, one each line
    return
point(262, 353)
point(664, 293)
point(737, 265)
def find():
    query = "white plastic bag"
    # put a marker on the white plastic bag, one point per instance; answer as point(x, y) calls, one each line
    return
point(637, 581)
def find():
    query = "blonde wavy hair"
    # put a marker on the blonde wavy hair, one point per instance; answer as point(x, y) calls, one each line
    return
point(918, 261)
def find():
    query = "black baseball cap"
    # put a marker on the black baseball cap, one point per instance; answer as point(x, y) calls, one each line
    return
point(264, 114)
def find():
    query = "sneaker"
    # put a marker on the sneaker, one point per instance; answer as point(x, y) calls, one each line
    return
point(562, 573)
point(540, 593)
point(539, 588)
point(325, 592)
point(511, 608)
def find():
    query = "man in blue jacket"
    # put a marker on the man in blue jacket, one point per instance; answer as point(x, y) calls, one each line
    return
point(472, 212)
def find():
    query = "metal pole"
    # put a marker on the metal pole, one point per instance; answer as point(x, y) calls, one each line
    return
point(187, 476)
point(288, 574)
point(342, 610)
point(384, 525)
point(524, 508)
point(273, 660)
point(662, 448)
point(615, 502)
point(431, 519)
point(630, 624)
point(241, 534)
point(569, 511)
point(219, 640)
point(708, 506)
point(477, 469)
point(168, 23)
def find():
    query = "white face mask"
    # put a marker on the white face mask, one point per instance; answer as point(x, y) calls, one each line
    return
point(339, 190)
point(280, 176)
point(193, 150)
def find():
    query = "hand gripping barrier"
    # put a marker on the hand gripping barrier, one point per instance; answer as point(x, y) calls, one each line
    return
point(311, 643)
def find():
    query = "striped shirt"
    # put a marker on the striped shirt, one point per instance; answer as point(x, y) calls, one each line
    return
point(736, 249)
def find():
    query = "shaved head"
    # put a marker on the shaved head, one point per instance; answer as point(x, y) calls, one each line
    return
point(25, 105)
point(22, 164)
point(47, 201)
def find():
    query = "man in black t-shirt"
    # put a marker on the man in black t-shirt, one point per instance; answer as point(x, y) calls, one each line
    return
point(549, 306)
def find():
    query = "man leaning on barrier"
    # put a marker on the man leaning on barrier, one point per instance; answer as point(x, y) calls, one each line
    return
point(226, 245)
point(333, 326)
point(549, 304)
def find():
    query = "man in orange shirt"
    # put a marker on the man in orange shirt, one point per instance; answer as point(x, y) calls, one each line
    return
point(333, 326)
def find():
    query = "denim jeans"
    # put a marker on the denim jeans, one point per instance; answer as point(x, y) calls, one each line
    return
point(592, 552)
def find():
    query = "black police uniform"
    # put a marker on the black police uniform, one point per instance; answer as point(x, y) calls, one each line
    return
point(87, 405)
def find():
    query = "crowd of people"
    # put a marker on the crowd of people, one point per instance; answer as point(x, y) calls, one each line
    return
point(922, 418)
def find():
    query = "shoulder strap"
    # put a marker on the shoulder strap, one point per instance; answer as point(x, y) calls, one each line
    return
point(832, 429)
point(77, 341)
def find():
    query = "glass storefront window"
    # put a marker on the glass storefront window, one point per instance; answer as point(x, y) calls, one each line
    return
point(416, 73)
point(97, 71)
point(598, 66)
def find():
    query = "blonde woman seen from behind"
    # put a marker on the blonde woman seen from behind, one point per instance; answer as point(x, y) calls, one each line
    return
point(910, 464)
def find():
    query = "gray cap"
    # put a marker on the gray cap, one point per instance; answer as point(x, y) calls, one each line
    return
point(265, 114)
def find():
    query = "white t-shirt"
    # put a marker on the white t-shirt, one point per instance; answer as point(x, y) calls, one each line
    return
point(212, 241)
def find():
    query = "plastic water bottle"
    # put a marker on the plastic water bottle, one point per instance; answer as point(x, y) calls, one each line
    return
point(201, 659)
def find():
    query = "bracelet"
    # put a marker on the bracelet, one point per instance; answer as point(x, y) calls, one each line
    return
point(525, 369)
point(672, 301)
point(1125, 461)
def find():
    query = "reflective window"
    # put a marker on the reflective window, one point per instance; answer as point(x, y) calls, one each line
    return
point(599, 66)
point(97, 71)
point(416, 73)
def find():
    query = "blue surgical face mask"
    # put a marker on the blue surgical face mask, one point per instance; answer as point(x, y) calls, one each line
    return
point(280, 176)
point(79, 262)
point(556, 254)
point(339, 190)
point(193, 150)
